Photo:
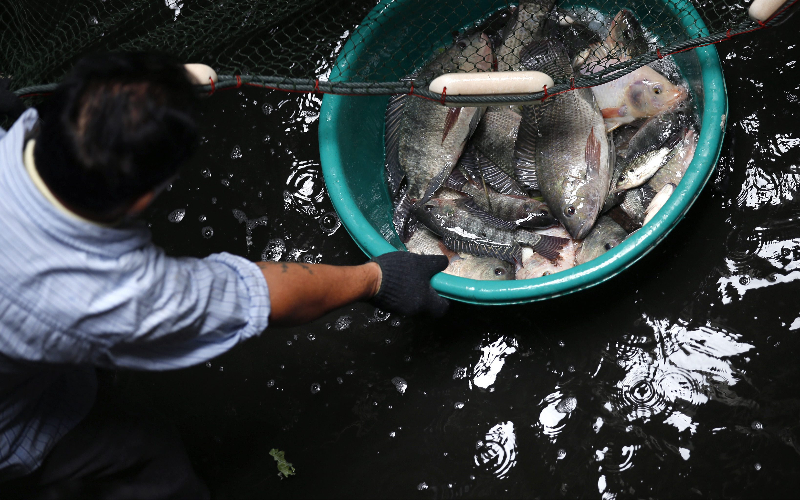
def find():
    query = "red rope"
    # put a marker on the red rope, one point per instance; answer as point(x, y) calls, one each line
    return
point(213, 87)
point(444, 95)
point(411, 92)
point(658, 53)
point(238, 81)
point(316, 86)
point(545, 93)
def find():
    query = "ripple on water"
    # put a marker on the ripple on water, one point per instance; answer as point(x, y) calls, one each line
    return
point(343, 323)
point(304, 188)
point(329, 222)
point(497, 453)
point(236, 153)
point(315, 388)
point(274, 250)
point(207, 232)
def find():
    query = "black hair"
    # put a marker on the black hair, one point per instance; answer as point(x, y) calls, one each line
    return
point(116, 128)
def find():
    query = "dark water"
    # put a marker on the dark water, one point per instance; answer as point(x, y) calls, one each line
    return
point(676, 379)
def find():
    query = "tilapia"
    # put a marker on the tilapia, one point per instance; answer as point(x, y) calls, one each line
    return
point(481, 169)
point(521, 211)
point(564, 141)
point(658, 202)
point(534, 265)
point(496, 135)
point(468, 230)
point(425, 139)
point(673, 171)
point(525, 26)
point(641, 93)
point(605, 235)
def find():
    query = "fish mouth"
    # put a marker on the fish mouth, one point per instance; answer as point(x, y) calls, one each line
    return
point(583, 229)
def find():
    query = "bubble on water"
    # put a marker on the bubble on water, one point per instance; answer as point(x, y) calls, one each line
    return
point(221, 368)
point(560, 454)
point(207, 232)
point(288, 342)
point(459, 405)
point(343, 323)
point(392, 434)
point(93, 21)
point(236, 153)
point(202, 218)
point(270, 383)
point(208, 364)
point(422, 486)
point(400, 384)
point(274, 250)
point(340, 380)
point(225, 182)
point(329, 222)
point(379, 315)
point(267, 108)
point(756, 425)
point(305, 188)
point(311, 336)
point(315, 388)
point(176, 215)
point(349, 372)
point(566, 405)
point(266, 139)
point(214, 200)
point(395, 322)
point(206, 172)
point(239, 215)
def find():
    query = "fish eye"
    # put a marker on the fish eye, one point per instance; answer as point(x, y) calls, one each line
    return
point(428, 208)
point(657, 89)
point(462, 44)
point(499, 271)
point(608, 246)
point(569, 211)
point(544, 213)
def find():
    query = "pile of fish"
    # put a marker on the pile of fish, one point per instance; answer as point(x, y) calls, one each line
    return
point(521, 192)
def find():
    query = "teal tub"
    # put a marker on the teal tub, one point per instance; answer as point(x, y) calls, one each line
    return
point(351, 135)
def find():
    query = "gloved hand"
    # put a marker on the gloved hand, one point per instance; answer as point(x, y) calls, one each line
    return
point(406, 284)
point(10, 105)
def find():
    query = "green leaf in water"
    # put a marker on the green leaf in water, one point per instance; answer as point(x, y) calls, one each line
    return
point(285, 468)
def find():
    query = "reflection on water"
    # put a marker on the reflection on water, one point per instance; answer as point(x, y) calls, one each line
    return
point(681, 369)
point(496, 453)
point(493, 357)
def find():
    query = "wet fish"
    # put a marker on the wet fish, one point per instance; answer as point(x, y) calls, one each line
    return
point(425, 242)
point(521, 211)
point(635, 202)
point(534, 265)
point(480, 268)
point(638, 170)
point(563, 142)
point(626, 39)
point(465, 229)
point(605, 235)
point(525, 26)
point(658, 202)
point(424, 139)
point(673, 171)
point(496, 135)
point(641, 93)
point(482, 170)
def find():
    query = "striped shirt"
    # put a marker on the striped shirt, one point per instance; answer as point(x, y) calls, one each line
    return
point(76, 295)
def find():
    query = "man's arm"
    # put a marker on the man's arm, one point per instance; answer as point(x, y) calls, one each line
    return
point(302, 292)
point(396, 282)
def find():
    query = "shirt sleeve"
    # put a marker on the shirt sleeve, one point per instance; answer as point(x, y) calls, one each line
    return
point(177, 312)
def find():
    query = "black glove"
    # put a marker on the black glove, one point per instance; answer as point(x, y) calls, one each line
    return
point(406, 284)
point(10, 105)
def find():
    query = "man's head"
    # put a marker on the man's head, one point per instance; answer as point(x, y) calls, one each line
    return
point(116, 129)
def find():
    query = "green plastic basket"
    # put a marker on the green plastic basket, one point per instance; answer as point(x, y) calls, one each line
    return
point(351, 136)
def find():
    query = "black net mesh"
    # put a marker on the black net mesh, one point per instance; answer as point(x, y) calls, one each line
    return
point(341, 46)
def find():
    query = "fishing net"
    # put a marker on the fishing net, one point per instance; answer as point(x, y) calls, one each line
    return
point(330, 46)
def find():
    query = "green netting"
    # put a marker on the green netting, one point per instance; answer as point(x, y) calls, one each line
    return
point(307, 45)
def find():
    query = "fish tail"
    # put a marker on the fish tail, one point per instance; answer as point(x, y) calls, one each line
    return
point(549, 246)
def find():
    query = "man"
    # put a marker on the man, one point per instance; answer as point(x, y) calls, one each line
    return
point(82, 286)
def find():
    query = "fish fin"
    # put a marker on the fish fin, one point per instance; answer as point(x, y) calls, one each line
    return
point(496, 177)
point(450, 121)
point(525, 150)
point(593, 154)
point(486, 217)
point(393, 119)
point(611, 113)
point(435, 183)
point(469, 162)
point(511, 254)
point(446, 251)
point(456, 180)
point(547, 55)
point(549, 246)
point(405, 222)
